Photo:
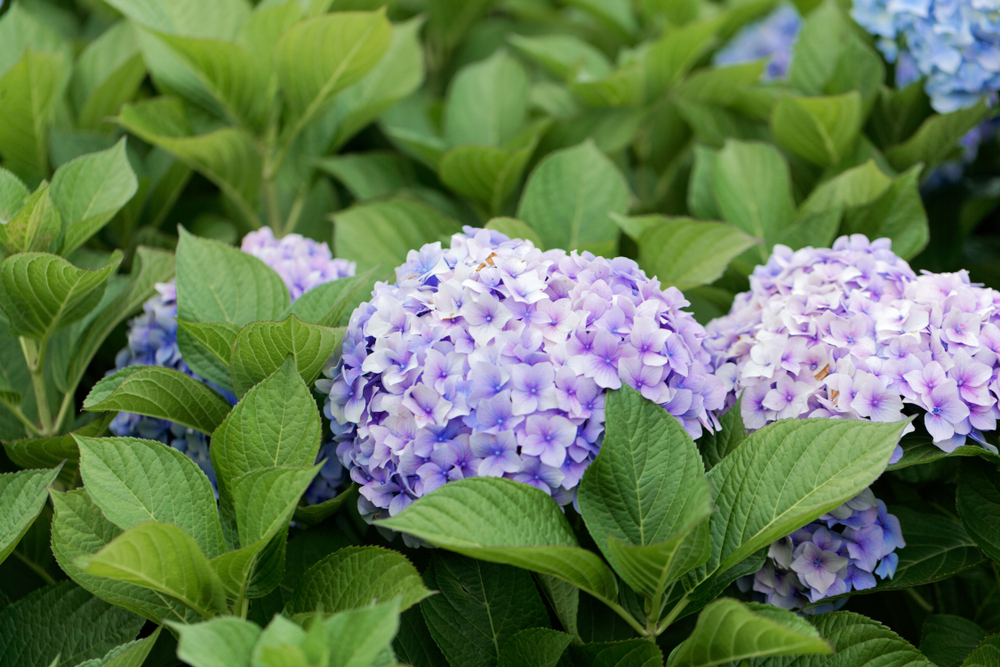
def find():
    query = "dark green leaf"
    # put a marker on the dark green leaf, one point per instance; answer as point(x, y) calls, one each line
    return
point(534, 647)
point(936, 138)
point(978, 503)
point(948, 640)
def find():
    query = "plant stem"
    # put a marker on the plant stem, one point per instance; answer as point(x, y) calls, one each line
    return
point(34, 355)
point(244, 607)
point(618, 609)
point(296, 212)
point(24, 420)
point(35, 567)
point(64, 409)
point(919, 599)
point(672, 616)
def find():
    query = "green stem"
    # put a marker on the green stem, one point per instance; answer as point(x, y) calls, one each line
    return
point(296, 212)
point(672, 616)
point(64, 409)
point(618, 609)
point(34, 355)
point(24, 420)
point(919, 599)
point(35, 567)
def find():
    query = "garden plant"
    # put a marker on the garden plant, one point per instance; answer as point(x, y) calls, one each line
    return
point(499, 333)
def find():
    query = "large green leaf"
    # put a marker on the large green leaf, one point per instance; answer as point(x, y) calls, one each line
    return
point(371, 175)
point(30, 90)
point(135, 481)
point(51, 452)
point(207, 348)
point(534, 647)
point(987, 654)
point(564, 56)
point(220, 19)
point(22, 496)
point(79, 528)
point(317, 58)
point(487, 102)
point(978, 503)
point(686, 253)
point(816, 52)
point(936, 138)
point(34, 227)
point(362, 636)
point(730, 631)
point(629, 653)
point(947, 640)
point(219, 642)
point(12, 195)
point(107, 74)
point(670, 58)
point(478, 608)
point(43, 293)
point(159, 392)
point(485, 174)
point(24, 27)
point(62, 620)
point(898, 215)
point(852, 188)
point(219, 283)
point(90, 190)
point(568, 199)
point(262, 347)
point(503, 521)
point(624, 87)
point(132, 654)
point(821, 129)
point(413, 644)
point(355, 577)
point(787, 474)
point(382, 233)
point(331, 304)
point(162, 558)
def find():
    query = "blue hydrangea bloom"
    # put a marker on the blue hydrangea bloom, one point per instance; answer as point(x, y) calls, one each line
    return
point(152, 341)
point(492, 358)
point(772, 37)
point(840, 552)
point(953, 44)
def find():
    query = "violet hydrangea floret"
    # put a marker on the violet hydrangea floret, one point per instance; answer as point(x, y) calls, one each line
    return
point(772, 37)
point(152, 341)
point(492, 358)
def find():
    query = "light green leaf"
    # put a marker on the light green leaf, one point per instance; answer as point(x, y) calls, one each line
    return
point(816, 52)
point(382, 233)
point(159, 392)
point(35, 226)
point(487, 102)
point(670, 58)
point(51, 452)
point(686, 253)
point(228, 157)
point(219, 283)
point(721, 86)
point(568, 199)
point(331, 304)
point(90, 190)
point(615, 14)
point(362, 637)
point(23, 27)
point(987, 654)
point(787, 474)
point(22, 496)
point(701, 190)
point(515, 229)
point(947, 640)
point(534, 647)
point(753, 190)
point(485, 174)
point(79, 528)
point(936, 138)
point(855, 187)
point(62, 620)
point(44, 293)
point(564, 56)
point(978, 503)
point(220, 19)
point(624, 87)
point(355, 577)
point(132, 654)
point(818, 230)
point(162, 558)
point(370, 175)
point(898, 215)
point(30, 90)
point(135, 481)
point(107, 74)
point(317, 58)
point(820, 129)
point(12, 195)
point(261, 348)
point(207, 348)
point(221, 642)
point(730, 631)
point(503, 521)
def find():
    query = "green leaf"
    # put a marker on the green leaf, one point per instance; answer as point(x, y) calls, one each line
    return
point(672, 56)
point(624, 87)
point(12, 195)
point(936, 138)
point(355, 577)
point(220, 642)
point(228, 157)
point(987, 654)
point(132, 654)
point(62, 620)
point(207, 348)
point(79, 528)
point(361, 637)
point(262, 347)
point(718, 445)
point(310, 515)
point(220, 19)
point(978, 503)
point(34, 227)
point(413, 644)
point(398, 74)
point(479, 607)
point(219, 283)
point(632, 653)
point(331, 304)
point(787, 474)
point(855, 187)
point(22, 496)
point(163, 558)
point(753, 190)
point(686, 253)
point(44, 293)
point(487, 102)
point(485, 174)
point(948, 640)
point(701, 191)
point(515, 229)
point(816, 52)
point(317, 58)
point(382, 233)
point(721, 86)
point(821, 129)
point(90, 190)
point(919, 450)
point(534, 647)
point(898, 215)
point(371, 175)
point(134, 481)
point(503, 521)
point(22, 28)
point(614, 14)
point(730, 631)
point(51, 452)
point(107, 74)
point(564, 56)
point(159, 392)
point(569, 196)
point(30, 90)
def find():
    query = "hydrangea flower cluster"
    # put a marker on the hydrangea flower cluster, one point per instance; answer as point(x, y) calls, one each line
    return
point(771, 37)
point(842, 551)
point(492, 358)
point(955, 44)
point(152, 341)
point(852, 333)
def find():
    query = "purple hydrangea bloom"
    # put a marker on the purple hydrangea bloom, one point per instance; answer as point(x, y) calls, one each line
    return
point(492, 358)
point(152, 341)
point(840, 552)
point(852, 333)
point(771, 37)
